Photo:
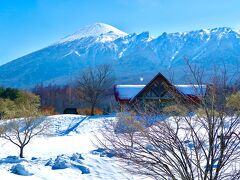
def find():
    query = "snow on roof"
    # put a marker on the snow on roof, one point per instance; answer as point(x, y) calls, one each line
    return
point(126, 92)
point(196, 90)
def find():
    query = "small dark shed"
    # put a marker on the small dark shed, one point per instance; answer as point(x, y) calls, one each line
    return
point(70, 111)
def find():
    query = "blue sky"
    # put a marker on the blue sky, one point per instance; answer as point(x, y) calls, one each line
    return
point(29, 25)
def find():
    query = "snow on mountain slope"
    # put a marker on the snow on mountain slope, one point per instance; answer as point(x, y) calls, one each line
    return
point(71, 134)
point(131, 55)
point(97, 29)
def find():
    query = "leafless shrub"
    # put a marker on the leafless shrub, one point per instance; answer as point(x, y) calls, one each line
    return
point(200, 142)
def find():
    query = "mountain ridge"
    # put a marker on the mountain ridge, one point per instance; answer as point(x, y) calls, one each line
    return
point(131, 55)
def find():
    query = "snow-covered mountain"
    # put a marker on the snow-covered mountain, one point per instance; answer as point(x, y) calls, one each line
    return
point(132, 55)
point(104, 31)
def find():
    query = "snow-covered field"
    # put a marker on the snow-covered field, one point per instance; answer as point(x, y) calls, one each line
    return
point(72, 135)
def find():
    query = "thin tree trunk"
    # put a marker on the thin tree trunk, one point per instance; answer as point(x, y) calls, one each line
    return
point(92, 109)
point(21, 152)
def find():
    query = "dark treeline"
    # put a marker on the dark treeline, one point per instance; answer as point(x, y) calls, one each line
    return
point(9, 93)
point(57, 98)
point(91, 93)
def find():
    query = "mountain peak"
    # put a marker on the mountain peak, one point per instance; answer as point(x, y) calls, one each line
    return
point(95, 29)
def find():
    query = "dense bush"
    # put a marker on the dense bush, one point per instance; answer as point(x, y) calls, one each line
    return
point(24, 105)
point(9, 93)
point(15, 103)
point(48, 110)
point(87, 111)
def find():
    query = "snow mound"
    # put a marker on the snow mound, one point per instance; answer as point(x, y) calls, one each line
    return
point(49, 162)
point(34, 158)
point(63, 161)
point(20, 170)
point(103, 152)
point(76, 157)
point(11, 160)
point(84, 169)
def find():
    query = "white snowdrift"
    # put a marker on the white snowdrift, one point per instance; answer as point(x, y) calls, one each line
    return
point(72, 134)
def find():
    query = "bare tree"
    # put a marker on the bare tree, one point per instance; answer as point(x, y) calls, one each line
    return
point(94, 84)
point(21, 131)
point(24, 122)
point(203, 146)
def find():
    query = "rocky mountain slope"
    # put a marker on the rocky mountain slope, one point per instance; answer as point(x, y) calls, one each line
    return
point(133, 56)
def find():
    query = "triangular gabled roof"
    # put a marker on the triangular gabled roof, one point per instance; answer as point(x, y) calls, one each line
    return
point(148, 86)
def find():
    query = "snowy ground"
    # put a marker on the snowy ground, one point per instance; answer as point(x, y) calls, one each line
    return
point(71, 134)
